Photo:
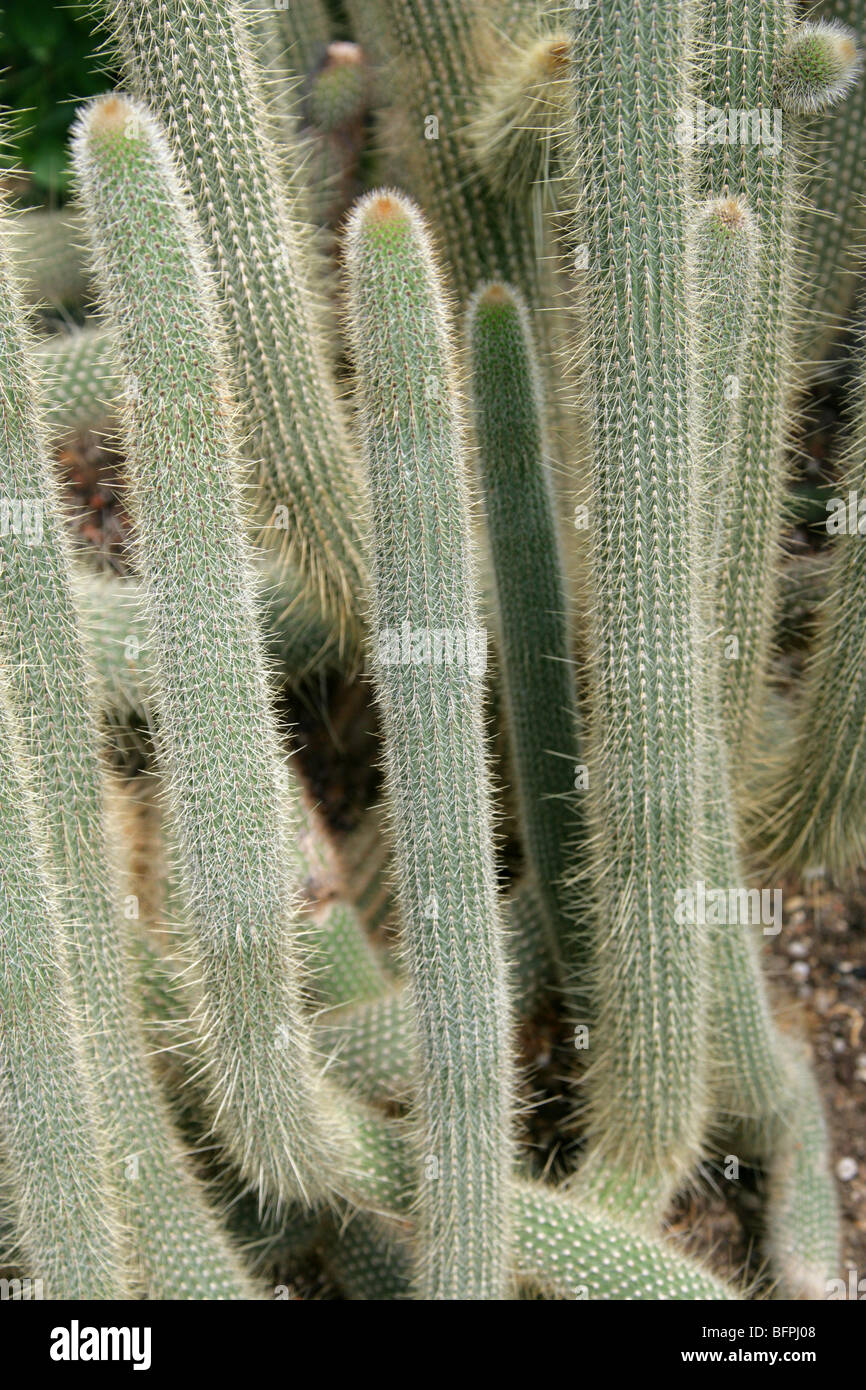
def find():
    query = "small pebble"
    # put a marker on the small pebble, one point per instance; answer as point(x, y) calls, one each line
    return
point(801, 971)
point(846, 1169)
point(839, 1045)
point(798, 950)
point(860, 1067)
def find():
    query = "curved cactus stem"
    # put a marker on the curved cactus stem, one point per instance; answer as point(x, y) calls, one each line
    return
point(815, 816)
point(178, 1249)
point(517, 133)
point(369, 1258)
point(230, 803)
point(434, 748)
point(749, 1075)
point(47, 258)
point(208, 91)
point(745, 51)
point(61, 1188)
point(78, 382)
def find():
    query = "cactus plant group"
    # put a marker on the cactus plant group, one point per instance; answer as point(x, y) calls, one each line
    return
point(503, 445)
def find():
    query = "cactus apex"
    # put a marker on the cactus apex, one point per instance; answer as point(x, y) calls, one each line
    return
point(820, 64)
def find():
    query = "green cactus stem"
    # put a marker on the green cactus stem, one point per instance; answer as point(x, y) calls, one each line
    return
point(177, 1248)
point(210, 97)
point(532, 600)
point(645, 1090)
point(79, 383)
point(47, 256)
point(230, 803)
point(431, 712)
point(61, 1189)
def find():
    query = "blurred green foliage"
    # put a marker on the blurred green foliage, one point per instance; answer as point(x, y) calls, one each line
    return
point(50, 59)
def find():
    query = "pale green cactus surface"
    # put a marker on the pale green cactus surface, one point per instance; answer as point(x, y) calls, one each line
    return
point(366, 796)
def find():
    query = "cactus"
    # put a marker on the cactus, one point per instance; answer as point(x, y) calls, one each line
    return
point(48, 260)
point(61, 1185)
point(815, 816)
point(835, 189)
point(181, 446)
point(294, 416)
point(531, 594)
point(517, 134)
point(646, 1087)
point(436, 54)
point(265, 1016)
point(79, 382)
point(431, 710)
point(752, 1082)
point(763, 165)
point(51, 679)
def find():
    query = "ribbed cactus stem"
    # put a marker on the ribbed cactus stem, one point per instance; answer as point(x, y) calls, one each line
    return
point(230, 802)
point(429, 685)
point(303, 28)
point(196, 67)
point(818, 67)
point(742, 48)
point(646, 1085)
point(78, 382)
point(517, 133)
point(63, 1193)
point(532, 599)
point(834, 214)
point(369, 1259)
point(802, 1210)
point(177, 1247)
point(817, 813)
point(751, 1083)
point(47, 255)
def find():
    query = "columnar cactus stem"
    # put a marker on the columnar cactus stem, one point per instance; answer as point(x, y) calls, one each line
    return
point(744, 48)
point(303, 30)
point(178, 1250)
point(78, 382)
point(63, 1193)
point(430, 702)
point(752, 1083)
point(439, 53)
point(48, 259)
point(226, 802)
point(646, 1085)
point(817, 813)
point(833, 217)
point(195, 65)
point(532, 598)
point(518, 130)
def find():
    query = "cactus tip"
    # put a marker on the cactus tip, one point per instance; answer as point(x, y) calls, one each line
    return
point(818, 68)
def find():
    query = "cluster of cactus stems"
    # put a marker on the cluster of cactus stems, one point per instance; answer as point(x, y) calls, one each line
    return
point(555, 292)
